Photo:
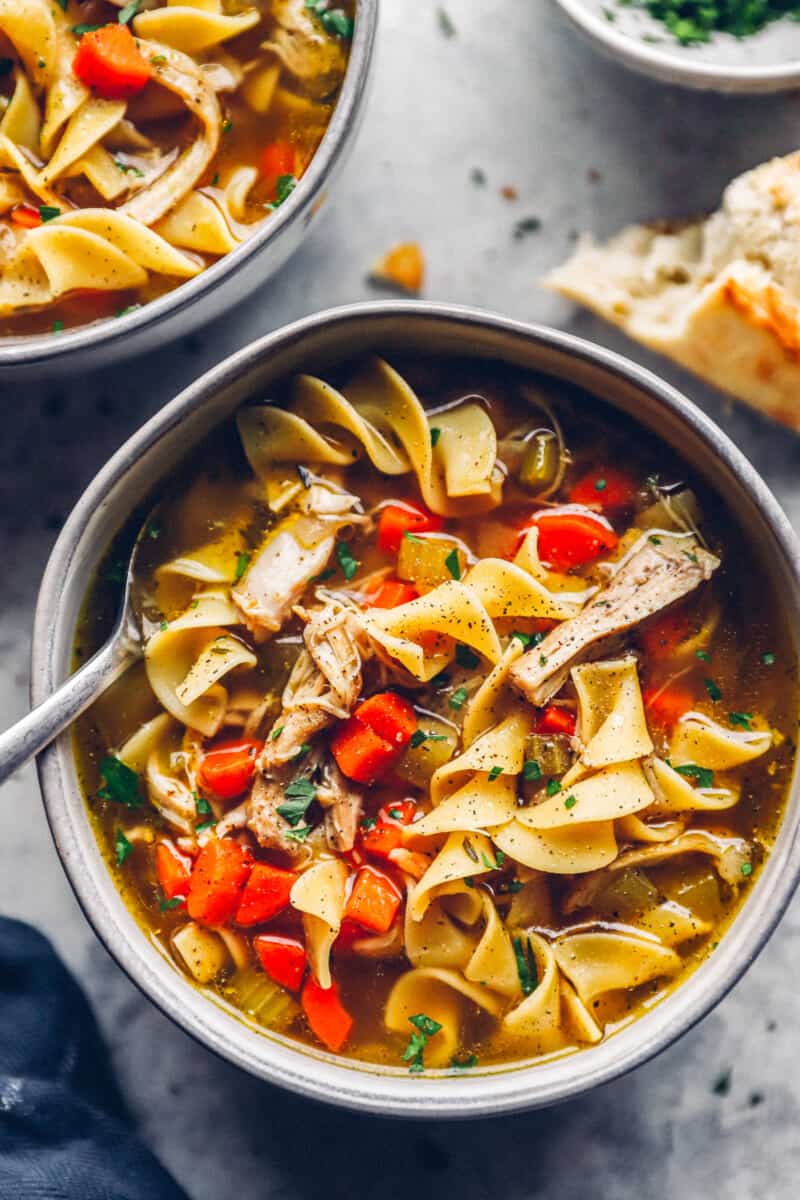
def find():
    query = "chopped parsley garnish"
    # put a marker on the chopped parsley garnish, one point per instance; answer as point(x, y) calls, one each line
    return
point(204, 825)
point(127, 13)
point(412, 537)
point(703, 777)
point(553, 787)
point(497, 865)
point(123, 312)
point(424, 1029)
point(692, 557)
point(299, 795)
point(458, 697)
point(305, 476)
point(511, 887)
point(284, 187)
point(464, 1064)
point(276, 733)
point(531, 770)
point(542, 660)
point(422, 735)
point(49, 212)
point(747, 869)
point(242, 563)
point(368, 823)
point(526, 965)
point(202, 807)
point(495, 771)
point(570, 802)
point(768, 659)
point(478, 176)
point(525, 226)
point(396, 814)
point(298, 835)
point(466, 658)
point(436, 433)
point(163, 626)
point(713, 689)
point(722, 1084)
point(128, 169)
point(165, 905)
point(80, 30)
point(122, 847)
point(445, 23)
point(120, 783)
point(154, 531)
point(452, 563)
point(333, 20)
point(600, 485)
point(528, 639)
point(703, 655)
point(302, 752)
point(348, 564)
point(655, 540)
point(741, 720)
point(227, 126)
point(324, 575)
point(58, 326)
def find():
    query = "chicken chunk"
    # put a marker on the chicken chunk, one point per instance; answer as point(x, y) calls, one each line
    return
point(271, 830)
point(323, 686)
point(343, 802)
point(655, 576)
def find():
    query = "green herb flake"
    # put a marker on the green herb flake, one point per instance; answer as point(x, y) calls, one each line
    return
point(478, 176)
point(703, 777)
point(242, 563)
point(526, 226)
point(127, 13)
point(494, 773)
point(531, 770)
point(284, 186)
point(204, 825)
point(276, 733)
point(336, 22)
point(412, 537)
point(713, 689)
point(497, 865)
point(324, 576)
point(436, 433)
point(768, 659)
point(58, 326)
point(453, 564)
point(600, 485)
point(163, 626)
point(464, 1064)
point(703, 655)
point(542, 660)
point(421, 735)
point(466, 658)
point(424, 1029)
point(458, 697)
point(747, 869)
point(299, 794)
point(49, 212)
point(298, 835)
point(80, 30)
point(123, 312)
point(165, 905)
point(128, 169)
point(348, 564)
point(655, 540)
point(120, 783)
point(396, 814)
point(526, 965)
point(445, 23)
point(227, 126)
point(302, 752)
point(722, 1084)
point(368, 823)
point(570, 802)
point(201, 806)
point(741, 720)
point(122, 847)
point(553, 787)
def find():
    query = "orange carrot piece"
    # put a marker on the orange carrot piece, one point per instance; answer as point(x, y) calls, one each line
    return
point(390, 716)
point(360, 753)
point(374, 900)
point(228, 767)
point(109, 62)
point(282, 958)
point(401, 518)
point(219, 874)
point(174, 870)
point(265, 894)
point(327, 1017)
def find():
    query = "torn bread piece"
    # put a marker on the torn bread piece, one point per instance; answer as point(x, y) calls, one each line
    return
point(720, 296)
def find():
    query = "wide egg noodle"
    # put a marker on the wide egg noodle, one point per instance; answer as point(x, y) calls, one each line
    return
point(500, 751)
point(699, 739)
point(507, 591)
point(319, 894)
point(607, 795)
point(479, 805)
point(493, 962)
point(21, 122)
point(436, 940)
point(675, 794)
point(566, 851)
point(611, 721)
point(491, 702)
point(150, 752)
point(600, 962)
point(462, 857)
point(442, 995)
point(193, 27)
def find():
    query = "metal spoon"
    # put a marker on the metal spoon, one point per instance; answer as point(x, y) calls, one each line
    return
point(124, 647)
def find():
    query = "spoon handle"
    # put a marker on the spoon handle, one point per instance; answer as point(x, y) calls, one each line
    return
point(36, 730)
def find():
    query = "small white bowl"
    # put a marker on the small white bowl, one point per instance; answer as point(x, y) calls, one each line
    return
point(768, 61)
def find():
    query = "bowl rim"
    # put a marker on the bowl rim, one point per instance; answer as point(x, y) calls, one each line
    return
point(317, 1075)
point(43, 349)
point(671, 66)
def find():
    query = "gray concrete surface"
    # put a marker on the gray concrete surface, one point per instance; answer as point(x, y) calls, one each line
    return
point(586, 145)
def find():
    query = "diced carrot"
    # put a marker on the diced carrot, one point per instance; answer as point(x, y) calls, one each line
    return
point(282, 958)
point(403, 265)
point(606, 489)
point(26, 215)
point(277, 158)
point(109, 62)
point(401, 518)
point(360, 753)
point(265, 894)
point(174, 870)
point(226, 770)
point(661, 636)
point(219, 874)
point(374, 900)
point(667, 705)
point(555, 719)
point(327, 1017)
point(391, 593)
point(386, 834)
point(349, 932)
point(390, 716)
point(571, 539)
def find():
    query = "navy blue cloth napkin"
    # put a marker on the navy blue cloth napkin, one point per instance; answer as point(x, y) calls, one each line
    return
point(64, 1134)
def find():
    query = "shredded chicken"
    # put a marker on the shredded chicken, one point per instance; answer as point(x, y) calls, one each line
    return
point(657, 575)
point(316, 60)
point(343, 802)
point(172, 798)
point(323, 686)
point(266, 823)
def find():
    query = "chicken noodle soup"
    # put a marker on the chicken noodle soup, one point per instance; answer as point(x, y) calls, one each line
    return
point(141, 141)
point(464, 722)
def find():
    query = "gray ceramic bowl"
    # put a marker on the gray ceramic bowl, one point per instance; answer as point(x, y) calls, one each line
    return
point(148, 458)
point(219, 288)
point(768, 61)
